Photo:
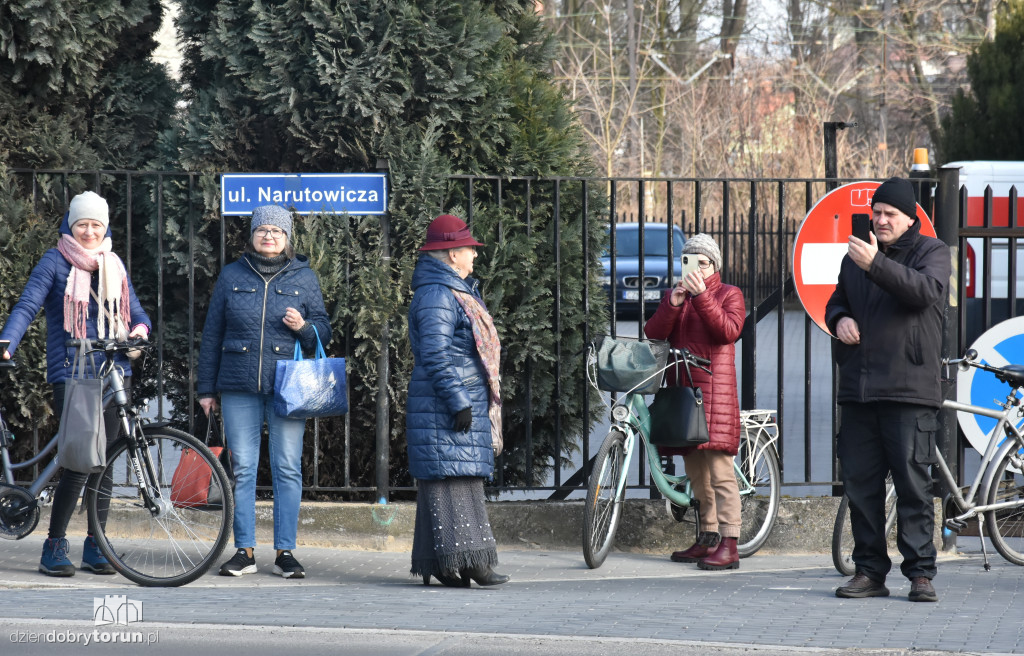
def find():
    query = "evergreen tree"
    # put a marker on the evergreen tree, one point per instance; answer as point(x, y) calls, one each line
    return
point(985, 122)
point(432, 88)
point(77, 91)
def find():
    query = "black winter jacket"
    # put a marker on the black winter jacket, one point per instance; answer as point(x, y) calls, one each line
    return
point(898, 306)
point(244, 335)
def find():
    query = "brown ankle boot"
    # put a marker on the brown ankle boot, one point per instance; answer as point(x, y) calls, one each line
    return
point(705, 544)
point(724, 557)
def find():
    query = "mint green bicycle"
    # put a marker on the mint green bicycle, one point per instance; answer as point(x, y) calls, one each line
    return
point(756, 465)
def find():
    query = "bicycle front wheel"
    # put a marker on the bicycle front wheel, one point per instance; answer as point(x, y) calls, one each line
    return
point(760, 494)
point(1006, 525)
point(842, 534)
point(604, 502)
point(156, 538)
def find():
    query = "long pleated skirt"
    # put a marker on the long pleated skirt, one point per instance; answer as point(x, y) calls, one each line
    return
point(452, 530)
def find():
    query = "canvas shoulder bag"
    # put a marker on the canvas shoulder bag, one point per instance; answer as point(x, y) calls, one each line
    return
point(82, 438)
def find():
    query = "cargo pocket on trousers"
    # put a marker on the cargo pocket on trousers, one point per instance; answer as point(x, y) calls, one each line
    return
point(924, 439)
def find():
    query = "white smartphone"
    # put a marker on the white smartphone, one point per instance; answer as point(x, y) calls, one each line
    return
point(689, 264)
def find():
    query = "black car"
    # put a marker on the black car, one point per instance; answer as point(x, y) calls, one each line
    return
point(656, 264)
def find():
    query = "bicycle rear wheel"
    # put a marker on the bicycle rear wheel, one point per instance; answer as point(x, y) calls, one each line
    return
point(842, 535)
point(1006, 526)
point(179, 540)
point(760, 495)
point(604, 505)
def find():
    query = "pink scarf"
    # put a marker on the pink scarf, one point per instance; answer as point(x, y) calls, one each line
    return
point(112, 289)
point(489, 348)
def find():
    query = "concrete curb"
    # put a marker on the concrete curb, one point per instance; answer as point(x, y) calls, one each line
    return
point(804, 525)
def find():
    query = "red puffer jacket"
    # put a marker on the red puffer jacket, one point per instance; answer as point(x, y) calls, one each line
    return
point(708, 325)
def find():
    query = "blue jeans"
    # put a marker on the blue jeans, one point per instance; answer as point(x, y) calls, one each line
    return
point(244, 416)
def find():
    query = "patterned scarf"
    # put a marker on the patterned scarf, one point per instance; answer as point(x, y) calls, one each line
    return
point(489, 348)
point(112, 290)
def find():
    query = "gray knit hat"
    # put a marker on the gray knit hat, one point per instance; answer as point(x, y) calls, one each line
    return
point(274, 215)
point(704, 244)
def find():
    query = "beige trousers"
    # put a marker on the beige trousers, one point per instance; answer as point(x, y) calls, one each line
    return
point(714, 484)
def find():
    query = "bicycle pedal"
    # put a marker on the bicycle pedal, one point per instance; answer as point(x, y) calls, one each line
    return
point(955, 525)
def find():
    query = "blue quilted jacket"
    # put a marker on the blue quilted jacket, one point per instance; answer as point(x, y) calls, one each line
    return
point(448, 375)
point(45, 289)
point(244, 335)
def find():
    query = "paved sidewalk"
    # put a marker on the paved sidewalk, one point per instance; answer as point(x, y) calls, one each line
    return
point(772, 601)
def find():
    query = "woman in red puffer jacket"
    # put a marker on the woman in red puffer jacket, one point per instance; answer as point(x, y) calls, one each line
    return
point(704, 315)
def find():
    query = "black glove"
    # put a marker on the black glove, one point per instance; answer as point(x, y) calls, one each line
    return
point(463, 420)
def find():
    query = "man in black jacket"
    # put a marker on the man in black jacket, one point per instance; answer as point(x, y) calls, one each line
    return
point(887, 313)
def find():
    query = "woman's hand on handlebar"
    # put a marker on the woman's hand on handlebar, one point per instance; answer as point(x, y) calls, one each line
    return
point(140, 331)
point(208, 404)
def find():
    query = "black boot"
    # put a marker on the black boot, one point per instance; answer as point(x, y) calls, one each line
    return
point(448, 581)
point(483, 575)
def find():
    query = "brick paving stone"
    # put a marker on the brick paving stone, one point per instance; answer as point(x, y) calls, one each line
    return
point(773, 600)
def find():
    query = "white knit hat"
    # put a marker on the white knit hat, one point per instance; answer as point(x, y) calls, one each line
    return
point(88, 205)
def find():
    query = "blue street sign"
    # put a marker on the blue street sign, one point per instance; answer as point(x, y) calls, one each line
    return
point(999, 346)
point(304, 193)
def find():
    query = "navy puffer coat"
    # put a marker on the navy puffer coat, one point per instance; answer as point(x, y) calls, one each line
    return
point(448, 375)
point(244, 335)
point(45, 289)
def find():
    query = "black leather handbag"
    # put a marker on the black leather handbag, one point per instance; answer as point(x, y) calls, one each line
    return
point(677, 415)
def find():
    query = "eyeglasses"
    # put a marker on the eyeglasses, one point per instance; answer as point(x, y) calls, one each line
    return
point(704, 264)
point(276, 233)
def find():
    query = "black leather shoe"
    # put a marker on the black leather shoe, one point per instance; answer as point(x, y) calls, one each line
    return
point(861, 586)
point(921, 589)
point(484, 576)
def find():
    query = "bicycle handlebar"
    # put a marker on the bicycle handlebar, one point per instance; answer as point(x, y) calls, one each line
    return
point(111, 346)
point(685, 354)
point(1010, 374)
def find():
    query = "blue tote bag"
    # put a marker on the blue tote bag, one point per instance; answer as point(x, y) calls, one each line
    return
point(310, 388)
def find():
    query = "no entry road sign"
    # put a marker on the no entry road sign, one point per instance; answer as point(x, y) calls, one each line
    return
point(822, 241)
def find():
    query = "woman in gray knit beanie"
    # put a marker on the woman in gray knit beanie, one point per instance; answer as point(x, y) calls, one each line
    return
point(262, 304)
point(704, 315)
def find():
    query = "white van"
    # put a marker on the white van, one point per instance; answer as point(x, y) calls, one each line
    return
point(1000, 176)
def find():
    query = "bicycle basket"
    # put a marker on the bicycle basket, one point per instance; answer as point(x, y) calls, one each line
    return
point(628, 364)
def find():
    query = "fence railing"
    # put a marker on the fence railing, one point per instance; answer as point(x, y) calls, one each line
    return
point(785, 361)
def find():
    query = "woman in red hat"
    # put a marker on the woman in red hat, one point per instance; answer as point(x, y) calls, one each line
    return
point(453, 419)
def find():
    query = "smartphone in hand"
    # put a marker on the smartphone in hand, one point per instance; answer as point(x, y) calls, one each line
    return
point(689, 264)
point(862, 227)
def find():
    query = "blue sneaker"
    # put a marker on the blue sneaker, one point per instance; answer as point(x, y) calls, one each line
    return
point(93, 560)
point(55, 558)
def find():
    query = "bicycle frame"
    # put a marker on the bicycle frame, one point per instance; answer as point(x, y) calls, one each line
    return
point(639, 424)
point(113, 392)
point(994, 452)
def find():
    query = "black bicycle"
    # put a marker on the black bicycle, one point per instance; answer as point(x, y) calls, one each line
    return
point(152, 534)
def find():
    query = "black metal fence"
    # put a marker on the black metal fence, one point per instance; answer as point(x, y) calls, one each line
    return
point(754, 221)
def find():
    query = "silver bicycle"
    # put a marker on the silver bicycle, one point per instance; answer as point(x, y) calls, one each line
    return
point(996, 496)
point(146, 523)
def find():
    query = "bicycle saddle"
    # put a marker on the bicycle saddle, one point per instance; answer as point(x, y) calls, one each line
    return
point(1012, 374)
